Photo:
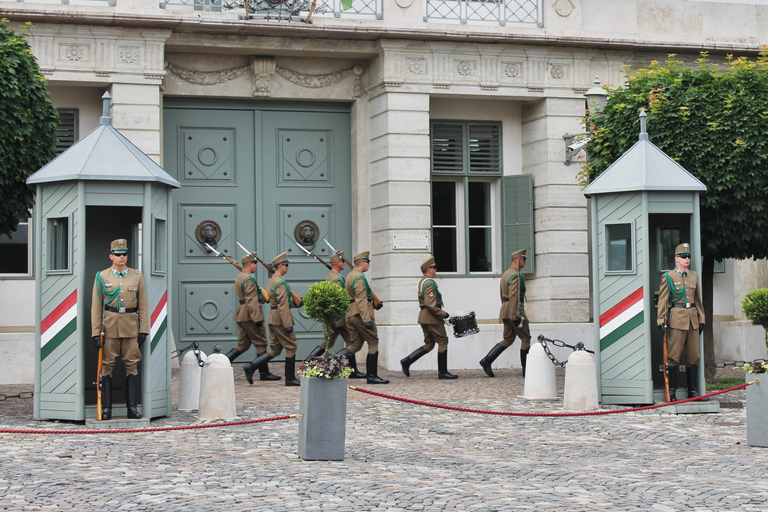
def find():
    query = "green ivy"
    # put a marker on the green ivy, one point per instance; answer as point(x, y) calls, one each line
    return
point(28, 126)
point(713, 121)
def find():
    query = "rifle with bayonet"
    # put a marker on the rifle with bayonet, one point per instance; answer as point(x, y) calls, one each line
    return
point(377, 303)
point(309, 253)
point(294, 296)
point(238, 267)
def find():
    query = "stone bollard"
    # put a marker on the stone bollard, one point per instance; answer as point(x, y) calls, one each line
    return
point(580, 392)
point(540, 378)
point(217, 389)
point(189, 381)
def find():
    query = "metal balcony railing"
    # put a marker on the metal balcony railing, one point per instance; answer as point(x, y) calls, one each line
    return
point(501, 12)
point(285, 9)
point(107, 3)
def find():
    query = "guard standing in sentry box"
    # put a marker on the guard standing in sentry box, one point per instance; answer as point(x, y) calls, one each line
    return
point(512, 314)
point(680, 301)
point(432, 319)
point(120, 305)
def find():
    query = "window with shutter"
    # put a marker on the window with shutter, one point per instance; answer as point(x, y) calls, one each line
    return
point(466, 168)
point(68, 129)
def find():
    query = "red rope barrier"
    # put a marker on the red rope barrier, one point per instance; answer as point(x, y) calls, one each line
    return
point(148, 429)
point(550, 414)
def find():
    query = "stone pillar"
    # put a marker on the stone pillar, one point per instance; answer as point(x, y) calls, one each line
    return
point(399, 206)
point(559, 291)
point(136, 113)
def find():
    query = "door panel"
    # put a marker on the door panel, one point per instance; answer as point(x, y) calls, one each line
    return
point(262, 176)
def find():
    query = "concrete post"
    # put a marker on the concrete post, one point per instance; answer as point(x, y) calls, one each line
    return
point(540, 378)
point(190, 373)
point(217, 389)
point(580, 393)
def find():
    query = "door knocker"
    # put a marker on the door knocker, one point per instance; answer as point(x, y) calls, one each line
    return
point(208, 232)
point(306, 233)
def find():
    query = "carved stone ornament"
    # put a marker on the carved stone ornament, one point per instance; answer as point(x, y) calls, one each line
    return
point(314, 81)
point(558, 71)
point(417, 66)
point(129, 54)
point(263, 71)
point(465, 67)
point(206, 77)
point(74, 52)
point(513, 69)
point(564, 8)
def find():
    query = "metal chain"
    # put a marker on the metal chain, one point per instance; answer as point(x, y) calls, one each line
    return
point(194, 347)
point(22, 396)
point(735, 364)
point(560, 343)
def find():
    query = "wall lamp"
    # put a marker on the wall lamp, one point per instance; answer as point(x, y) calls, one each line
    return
point(597, 97)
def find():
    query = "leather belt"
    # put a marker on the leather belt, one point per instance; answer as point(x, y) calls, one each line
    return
point(504, 300)
point(422, 307)
point(686, 305)
point(120, 310)
point(241, 301)
point(272, 307)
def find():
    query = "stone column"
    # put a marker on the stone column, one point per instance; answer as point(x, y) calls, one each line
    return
point(136, 113)
point(399, 207)
point(559, 291)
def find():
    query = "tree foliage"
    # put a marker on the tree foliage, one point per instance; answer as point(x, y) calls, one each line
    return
point(327, 303)
point(713, 121)
point(28, 126)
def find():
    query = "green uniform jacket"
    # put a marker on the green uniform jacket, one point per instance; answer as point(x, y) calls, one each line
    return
point(280, 301)
point(681, 318)
point(245, 288)
point(359, 296)
point(430, 303)
point(512, 296)
point(132, 295)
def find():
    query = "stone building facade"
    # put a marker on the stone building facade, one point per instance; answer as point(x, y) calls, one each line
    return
point(397, 70)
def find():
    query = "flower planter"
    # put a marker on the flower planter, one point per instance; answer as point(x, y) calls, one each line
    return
point(757, 410)
point(323, 421)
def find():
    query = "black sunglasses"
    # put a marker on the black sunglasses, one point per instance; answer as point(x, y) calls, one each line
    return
point(685, 256)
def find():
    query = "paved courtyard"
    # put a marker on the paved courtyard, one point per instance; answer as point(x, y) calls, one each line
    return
point(399, 456)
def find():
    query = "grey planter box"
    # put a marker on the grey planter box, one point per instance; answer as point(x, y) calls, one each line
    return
point(757, 410)
point(323, 421)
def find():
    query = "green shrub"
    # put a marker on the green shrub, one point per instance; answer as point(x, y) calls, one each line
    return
point(755, 307)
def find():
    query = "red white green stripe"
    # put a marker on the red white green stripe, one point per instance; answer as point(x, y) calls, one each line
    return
point(158, 321)
point(58, 326)
point(621, 319)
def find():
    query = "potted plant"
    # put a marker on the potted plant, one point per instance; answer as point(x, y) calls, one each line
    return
point(757, 403)
point(323, 395)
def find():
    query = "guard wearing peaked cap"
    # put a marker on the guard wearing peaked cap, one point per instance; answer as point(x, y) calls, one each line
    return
point(340, 329)
point(119, 302)
point(250, 316)
point(281, 335)
point(361, 320)
point(681, 312)
point(432, 319)
point(512, 314)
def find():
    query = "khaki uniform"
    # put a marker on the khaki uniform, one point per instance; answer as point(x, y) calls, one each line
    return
point(432, 316)
point(249, 315)
point(280, 317)
point(360, 312)
point(121, 329)
point(685, 315)
point(339, 329)
point(512, 289)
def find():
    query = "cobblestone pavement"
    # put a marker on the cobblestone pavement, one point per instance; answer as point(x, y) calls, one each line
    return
point(399, 456)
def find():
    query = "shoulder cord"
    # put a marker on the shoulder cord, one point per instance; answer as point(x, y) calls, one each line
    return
point(674, 295)
point(103, 292)
point(287, 290)
point(368, 290)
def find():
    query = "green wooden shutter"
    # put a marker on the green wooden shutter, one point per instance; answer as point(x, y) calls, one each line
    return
point(484, 148)
point(517, 194)
point(447, 147)
point(67, 131)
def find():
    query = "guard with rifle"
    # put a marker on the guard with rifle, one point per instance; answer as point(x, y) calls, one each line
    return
point(250, 316)
point(432, 318)
point(361, 320)
point(281, 335)
point(119, 303)
point(340, 329)
point(680, 302)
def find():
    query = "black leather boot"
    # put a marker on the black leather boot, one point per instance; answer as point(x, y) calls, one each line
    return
point(131, 390)
point(692, 375)
point(352, 360)
point(488, 360)
point(372, 365)
point(290, 372)
point(407, 361)
point(317, 351)
point(442, 366)
point(524, 358)
point(253, 365)
point(264, 373)
point(672, 383)
point(232, 354)
point(106, 397)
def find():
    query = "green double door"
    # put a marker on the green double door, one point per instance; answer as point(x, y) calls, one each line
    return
point(265, 175)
